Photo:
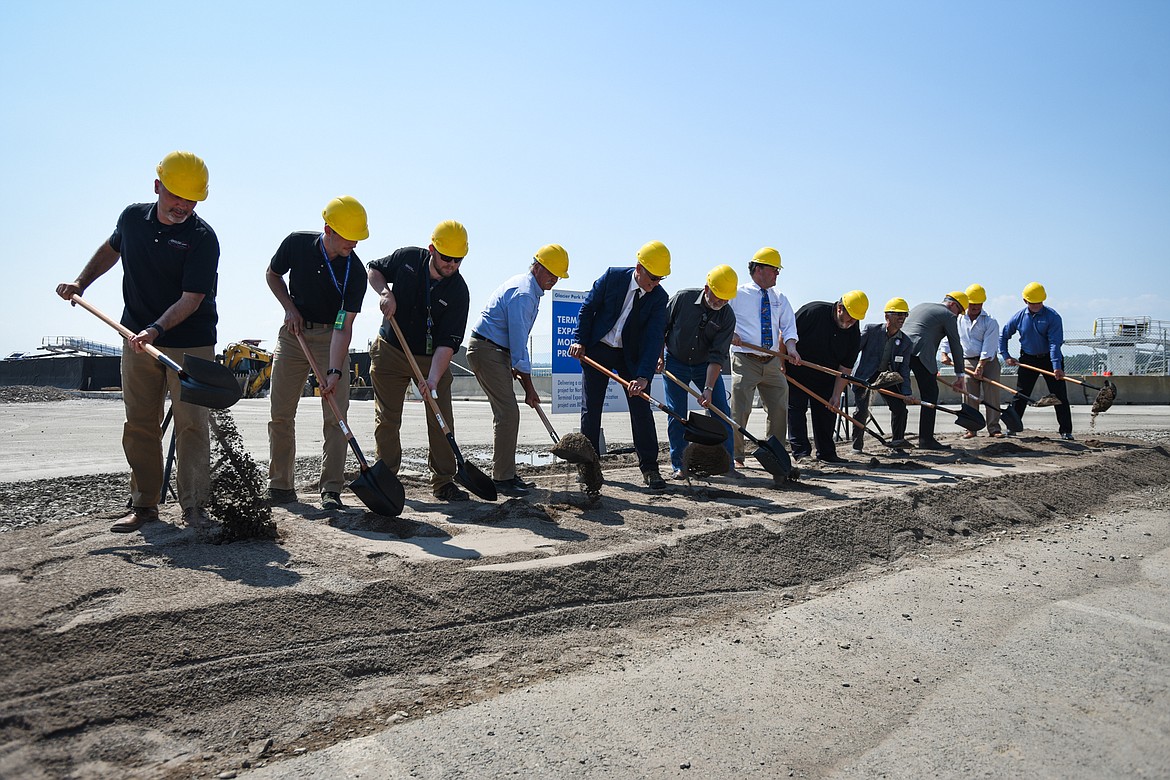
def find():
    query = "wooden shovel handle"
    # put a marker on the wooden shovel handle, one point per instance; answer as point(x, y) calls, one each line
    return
point(548, 425)
point(697, 395)
point(594, 364)
point(332, 402)
point(1052, 374)
point(128, 334)
point(419, 378)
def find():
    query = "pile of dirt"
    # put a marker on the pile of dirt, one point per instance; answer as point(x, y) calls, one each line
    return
point(29, 394)
point(706, 460)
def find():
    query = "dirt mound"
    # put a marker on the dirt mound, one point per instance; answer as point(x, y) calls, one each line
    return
point(27, 394)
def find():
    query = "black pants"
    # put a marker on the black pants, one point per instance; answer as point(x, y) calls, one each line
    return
point(1026, 380)
point(898, 414)
point(593, 401)
point(822, 419)
point(927, 391)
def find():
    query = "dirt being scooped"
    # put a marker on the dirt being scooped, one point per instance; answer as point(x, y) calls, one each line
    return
point(706, 460)
point(1105, 398)
point(887, 379)
point(1048, 400)
point(237, 485)
point(575, 448)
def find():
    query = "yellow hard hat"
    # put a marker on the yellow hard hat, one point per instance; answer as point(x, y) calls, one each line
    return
point(655, 258)
point(767, 256)
point(723, 282)
point(856, 303)
point(1034, 293)
point(450, 238)
point(554, 258)
point(184, 174)
point(897, 306)
point(959, 298)
point(347, 217)
point(976, 294)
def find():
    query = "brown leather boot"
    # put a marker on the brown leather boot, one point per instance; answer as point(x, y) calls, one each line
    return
point(133, 521)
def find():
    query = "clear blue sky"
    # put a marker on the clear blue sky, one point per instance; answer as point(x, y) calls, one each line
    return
point(903, 148)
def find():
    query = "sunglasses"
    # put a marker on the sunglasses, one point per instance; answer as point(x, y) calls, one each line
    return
point(456, 260)
point(654, 278)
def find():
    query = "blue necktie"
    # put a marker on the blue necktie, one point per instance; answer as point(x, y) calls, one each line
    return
point(766, 322)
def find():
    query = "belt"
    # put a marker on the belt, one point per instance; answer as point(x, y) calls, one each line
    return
point(311, 325)
point(755, 357)
point(478, 337)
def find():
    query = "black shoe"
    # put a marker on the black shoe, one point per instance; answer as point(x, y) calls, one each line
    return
point(831, 459)
point(900, 444)
point(281, 496)
point(654, 480)
point(523, 483)
point(451, 492)
point(1067, 437)
point(932, 444)
point(510, 487)
point(331, 500)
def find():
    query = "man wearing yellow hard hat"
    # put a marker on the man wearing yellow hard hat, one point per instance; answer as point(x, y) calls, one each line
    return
point(621, 326)
point(1041, 332)
point(765, 317)
point(326, 285)
point(830, 335)
point(884, 361)
point(170, 258)
point(927, 325)
point(498, 352)
point(979, 335)
point(428, 297)
point(699, 327)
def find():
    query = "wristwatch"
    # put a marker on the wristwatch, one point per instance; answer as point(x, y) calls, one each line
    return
point(333, 371)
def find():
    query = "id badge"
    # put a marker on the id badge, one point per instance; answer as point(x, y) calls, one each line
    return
point(430, 343)
point(339, 323)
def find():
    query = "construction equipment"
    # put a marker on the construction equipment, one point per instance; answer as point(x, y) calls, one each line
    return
point(251, 365)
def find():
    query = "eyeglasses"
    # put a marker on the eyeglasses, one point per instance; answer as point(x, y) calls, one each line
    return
point(654, 278)
point(455, 260)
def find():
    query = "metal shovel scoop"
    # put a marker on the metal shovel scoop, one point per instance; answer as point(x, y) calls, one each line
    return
point(201, 382)
point(770, 454)
point(376, 486)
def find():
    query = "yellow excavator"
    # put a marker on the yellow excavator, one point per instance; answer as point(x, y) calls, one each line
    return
point(252, 365)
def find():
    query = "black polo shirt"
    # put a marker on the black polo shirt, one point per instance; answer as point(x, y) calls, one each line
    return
point(316, 293)
point(821, 341)
point(160, 263)
point(408, 274)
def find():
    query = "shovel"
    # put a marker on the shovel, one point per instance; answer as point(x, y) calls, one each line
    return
point(376, 486)
point(771, 453)
point(566, 453)
point(1105, 395)
point(1011, 419)
point(697, 428)
point(201, 382)
point(834, 409)
point(1017, 393)
point(466, 474)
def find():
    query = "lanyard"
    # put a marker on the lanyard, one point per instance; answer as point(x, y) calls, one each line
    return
point(329, 266)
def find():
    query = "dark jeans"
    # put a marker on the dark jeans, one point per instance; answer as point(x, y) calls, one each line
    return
point(822, 419)
point(1026, 381)
point(593, 401)
point(676, 399)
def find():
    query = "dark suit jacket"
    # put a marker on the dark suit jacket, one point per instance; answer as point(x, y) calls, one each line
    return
point(644, 331)
point(873, 344)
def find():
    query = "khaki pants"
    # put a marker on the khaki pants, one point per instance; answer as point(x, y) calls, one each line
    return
point(145, 384)
point(391, 375)
point(750, 375)
point(989, 392)
point(290, 369)
point(493, 371)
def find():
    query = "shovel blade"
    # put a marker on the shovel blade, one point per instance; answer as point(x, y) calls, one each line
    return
point(774, 458)
point(380, 490)
point(1011, 419)
point(476, 481)
point(970, 418)
point(207, 383)
point(704, 429)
